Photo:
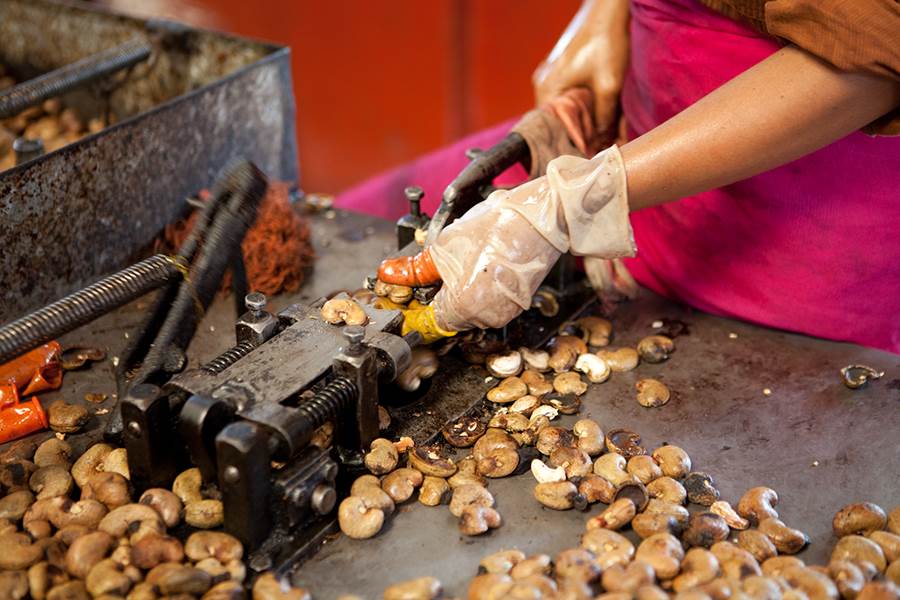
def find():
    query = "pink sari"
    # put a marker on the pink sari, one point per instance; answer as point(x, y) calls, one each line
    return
point(811, 247)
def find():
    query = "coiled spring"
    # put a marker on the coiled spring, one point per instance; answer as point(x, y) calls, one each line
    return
point(228, 358)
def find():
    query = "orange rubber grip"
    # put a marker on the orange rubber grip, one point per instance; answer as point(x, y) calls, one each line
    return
point(411, 271)
point(18, 419)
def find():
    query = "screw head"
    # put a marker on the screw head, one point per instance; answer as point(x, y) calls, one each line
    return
point(231, 474)
point(255, 301)
point(414, 193)
point(134, 428)
point(323, 499)
point(354, 334)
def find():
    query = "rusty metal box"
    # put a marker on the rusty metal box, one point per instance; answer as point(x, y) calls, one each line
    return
point(202, 100)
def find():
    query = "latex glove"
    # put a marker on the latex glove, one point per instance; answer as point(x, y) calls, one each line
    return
point(562, 126)
point(494, 257)
point(419, 317)
point(593, 53)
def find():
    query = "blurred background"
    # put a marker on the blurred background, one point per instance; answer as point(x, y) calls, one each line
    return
point(380, 83)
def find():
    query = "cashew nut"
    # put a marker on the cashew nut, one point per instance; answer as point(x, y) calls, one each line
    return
point(643, 468)
point(652, 393)
point(164, 502)
point(575, 462)
point(705, 529)
point(673, 461)
point(576, 563)
point(596, 489)
point(655, 348)
point(757, 543)
point(343, 310)
point(611, 467)
point(476, 520)
point(430, 462)
point(847, 577)
point(700, 488)
point(53, 451)
point(569, 383)
point(525, 405)
point(382, 457)
point(537, 384)
point(187, 486)
point(646, 524)
point(508, 364)
point(544, 474)
point(628, 578)
point(758, 504)
point(137, 520)
point(423, 364)
point(469, 495)
point(423, 588)
point(589, 436)
point(87, 551)
point(663, 552)
point(509, 390)
point(401, 484)
point(358, 520)
point(724, 510)
point(152, 550)
point(558, 495)
point(617, 515)
point(859, 518)
point(609, 547)
point(889, 543)
point(538, 360)
point(698, 567)
point(19, 552)
point(863, 552)
point(89, 463)
point(434, 491)
point(667, 489)
point(564, 351)
point(594, 367)
point(623, 359)
point(110, 488)
point(213, 544)
point(786, 539)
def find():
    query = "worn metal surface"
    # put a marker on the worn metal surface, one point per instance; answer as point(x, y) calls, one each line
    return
point(818, 443)
point(202, 101)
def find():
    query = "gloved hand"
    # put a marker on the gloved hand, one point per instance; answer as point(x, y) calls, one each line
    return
point(493, 259)
point(592, 52)
point(563, 126)
point(419, 317)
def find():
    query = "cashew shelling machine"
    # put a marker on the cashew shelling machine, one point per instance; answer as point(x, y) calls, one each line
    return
point(246, 408)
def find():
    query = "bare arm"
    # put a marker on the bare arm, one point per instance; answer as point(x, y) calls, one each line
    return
point(785, 107)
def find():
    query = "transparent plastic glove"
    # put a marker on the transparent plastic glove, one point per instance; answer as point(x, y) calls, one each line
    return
point(493, 259)
point(592, 52)
point(562, 126)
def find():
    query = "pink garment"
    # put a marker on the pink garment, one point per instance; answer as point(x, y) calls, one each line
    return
point(811, 247)
point(382, 195)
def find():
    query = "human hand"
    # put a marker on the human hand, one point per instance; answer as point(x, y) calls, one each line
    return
point(591, 53)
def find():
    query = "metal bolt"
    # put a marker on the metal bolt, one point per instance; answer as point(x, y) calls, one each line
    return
point(354, 334)
point(473, 153)
point(255, 302)
point(330, 471)
point(231, 474)
point(414, 194)
point(323, 499)
point(27, 149)
point(134, 428)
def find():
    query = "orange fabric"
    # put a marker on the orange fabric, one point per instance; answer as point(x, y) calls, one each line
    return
point(853, 35)
point(35, 371)
point(276, 249)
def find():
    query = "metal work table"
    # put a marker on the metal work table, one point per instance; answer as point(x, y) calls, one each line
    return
point(818, 443)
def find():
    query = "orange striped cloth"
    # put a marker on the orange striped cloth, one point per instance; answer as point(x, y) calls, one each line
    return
point(853, 35)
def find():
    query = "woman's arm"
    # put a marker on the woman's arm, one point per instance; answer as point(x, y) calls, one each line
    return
point(785, 107)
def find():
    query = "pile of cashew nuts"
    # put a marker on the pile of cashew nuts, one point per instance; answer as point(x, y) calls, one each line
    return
point(719, 551)
point(71, 528)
